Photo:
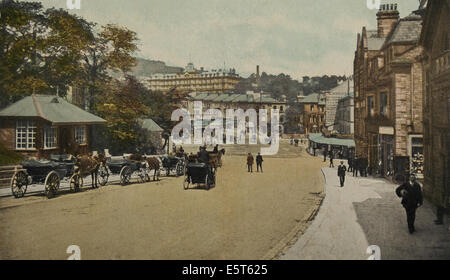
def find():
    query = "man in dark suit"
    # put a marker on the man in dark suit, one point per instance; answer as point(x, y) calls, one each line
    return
point(412, 198)
point(259, 161)
point(342, 169)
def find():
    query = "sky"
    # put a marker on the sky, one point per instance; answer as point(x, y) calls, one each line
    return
point(295, 37)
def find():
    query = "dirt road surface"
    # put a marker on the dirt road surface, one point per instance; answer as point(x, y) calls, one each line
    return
point(243, 217)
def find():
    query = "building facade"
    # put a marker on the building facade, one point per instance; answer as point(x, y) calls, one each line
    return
point(435, 39)
point(345, 116)
point(332, 98)
point(313, 113)
point(214, 81)
point(41, 125)
point(388, 95)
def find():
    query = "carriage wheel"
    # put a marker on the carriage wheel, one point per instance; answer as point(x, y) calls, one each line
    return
point(19, 184)
point(76, 182)
point(180, 169)
point(103, 175)
point(167, 171)
point(51, 184)
point(207, 182)
point(186, 182)
point(125, 175)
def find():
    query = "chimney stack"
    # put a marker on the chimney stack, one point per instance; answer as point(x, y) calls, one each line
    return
point(387, 17)
point(257, 71)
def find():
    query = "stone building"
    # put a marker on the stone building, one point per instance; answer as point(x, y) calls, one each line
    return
point(332, 98)
point(235, 101)
point(313, 113)
point(388, 94)
point(345, 117)
point(435, 39)
point(214, 81)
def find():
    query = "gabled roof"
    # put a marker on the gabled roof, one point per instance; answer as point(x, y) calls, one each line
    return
point(151, 125)
point(407, 30)
point(51, 108)
point(374, 43)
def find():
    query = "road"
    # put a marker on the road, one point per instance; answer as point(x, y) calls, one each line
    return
point(244, 217)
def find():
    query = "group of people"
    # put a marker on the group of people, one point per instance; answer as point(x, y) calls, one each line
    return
point(251, 162)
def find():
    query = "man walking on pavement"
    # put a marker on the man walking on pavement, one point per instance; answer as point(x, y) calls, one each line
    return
point(342, 169)
point(331, 159)
point(259, 161)
point(250, 162)
point(412, 198)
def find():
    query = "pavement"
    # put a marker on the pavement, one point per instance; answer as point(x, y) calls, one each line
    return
point(367, 212)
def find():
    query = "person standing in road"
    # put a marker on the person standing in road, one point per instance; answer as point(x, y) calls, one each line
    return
point(412, 198)
point(342, 169)
point(250, 162)
point(259, 161)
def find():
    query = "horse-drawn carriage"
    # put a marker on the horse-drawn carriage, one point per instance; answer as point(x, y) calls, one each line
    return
point(202, 173)
point(137, 165)
point(173, 163)
point(50, 173)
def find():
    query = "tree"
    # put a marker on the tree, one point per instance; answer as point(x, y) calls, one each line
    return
point(110, 50)
point(120, 104)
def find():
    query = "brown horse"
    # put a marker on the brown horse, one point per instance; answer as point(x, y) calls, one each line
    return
point(215, 159)
point(86, 165)
point(153, 163)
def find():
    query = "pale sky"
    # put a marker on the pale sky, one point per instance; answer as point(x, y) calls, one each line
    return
point(295, 37)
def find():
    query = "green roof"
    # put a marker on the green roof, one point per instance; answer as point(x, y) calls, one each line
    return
point(234, 97)
point(320, 139)
point(151, 125)
point(51, 108)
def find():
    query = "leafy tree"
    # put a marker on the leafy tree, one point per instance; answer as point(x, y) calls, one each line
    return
point(120, 104)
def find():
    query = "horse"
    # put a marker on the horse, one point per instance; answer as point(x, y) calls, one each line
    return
point(215, 159)
point(89, 165)
point(152, 163)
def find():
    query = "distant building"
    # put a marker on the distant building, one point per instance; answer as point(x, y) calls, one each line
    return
point(313, 113)
point(332, 98)
point(435, 39)
point(235, 101)
point(345, 116)
point(388, 93)
point(214, 81)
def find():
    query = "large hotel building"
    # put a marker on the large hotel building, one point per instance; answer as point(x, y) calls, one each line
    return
point(214, 81)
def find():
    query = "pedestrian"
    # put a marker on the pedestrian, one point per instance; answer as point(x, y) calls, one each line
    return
point(350, 164)
point(250, 162)
point(331, 160)
point(325, 154)
point(412, 198)
point(259, 161)
point(355, 167)
point(342, 169)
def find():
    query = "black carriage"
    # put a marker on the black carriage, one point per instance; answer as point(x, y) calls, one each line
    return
point(198, 173)
point(49, 173)
point(171, 163)
point(125, 168)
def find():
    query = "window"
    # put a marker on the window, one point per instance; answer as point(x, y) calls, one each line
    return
point(50, 137)
point(80, 135)
point(370, 106)
point(383, 104)
point(25, 134)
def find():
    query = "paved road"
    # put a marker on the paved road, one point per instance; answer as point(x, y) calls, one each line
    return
point(244, 217)
point(367, 212)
